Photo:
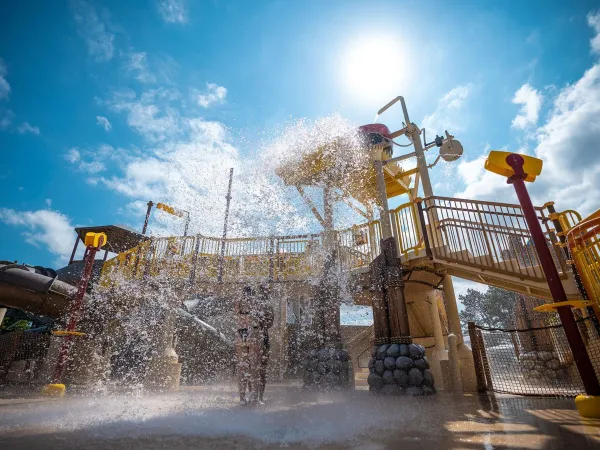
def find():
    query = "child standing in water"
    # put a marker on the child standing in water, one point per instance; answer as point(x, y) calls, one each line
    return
point(248, 348)
point(264, 316)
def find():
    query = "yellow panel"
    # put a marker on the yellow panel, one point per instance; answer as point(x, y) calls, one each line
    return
point(551, 307)
point(496, 162)
point(95, 239)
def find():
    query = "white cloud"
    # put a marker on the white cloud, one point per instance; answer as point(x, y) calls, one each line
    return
point(94, 161)
point(213, 94)
point(190, 172)
point(137, 63)
point(73, 155)
point(49, 202)
point(99, 41)
point(43, 228)
point(4, 86)
point(173, 11)
point(593, 19)
point(25, 127)
point(567, 143)
point(6, 119)
point(103, 122)
point(448, 114)
point(151, 115)
point(530, 100)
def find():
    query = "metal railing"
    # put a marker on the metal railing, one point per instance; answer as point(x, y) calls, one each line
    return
point(583, 241)
point(487, 235)
point(484, 235)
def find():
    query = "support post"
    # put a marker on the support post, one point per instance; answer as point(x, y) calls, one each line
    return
point(477, 360)
point(75, 311)
point(74, 250)
point(145, 227)
point(582, 359)
point(222, 254)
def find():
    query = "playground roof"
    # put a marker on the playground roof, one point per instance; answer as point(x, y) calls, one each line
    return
point(120, 238)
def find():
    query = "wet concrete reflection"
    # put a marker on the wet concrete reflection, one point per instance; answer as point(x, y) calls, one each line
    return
point(208, 417)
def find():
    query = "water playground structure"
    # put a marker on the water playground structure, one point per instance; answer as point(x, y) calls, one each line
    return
point(398, 260)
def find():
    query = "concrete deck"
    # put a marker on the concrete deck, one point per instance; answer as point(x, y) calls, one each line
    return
point(209, 417)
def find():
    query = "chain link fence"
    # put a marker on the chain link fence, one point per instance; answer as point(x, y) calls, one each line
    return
point(532, 361)
point(22, 355)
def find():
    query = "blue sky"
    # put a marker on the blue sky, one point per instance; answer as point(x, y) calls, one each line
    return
point(106, 105)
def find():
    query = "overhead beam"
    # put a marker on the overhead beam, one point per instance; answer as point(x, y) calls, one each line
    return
point(311, 205)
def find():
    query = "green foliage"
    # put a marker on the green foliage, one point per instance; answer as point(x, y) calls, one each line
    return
point(11, 324)
point(494, 308)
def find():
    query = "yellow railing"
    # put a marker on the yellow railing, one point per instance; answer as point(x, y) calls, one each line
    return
point(487, 235)
point(481, 234)
point(406, 228)
point(583, 241)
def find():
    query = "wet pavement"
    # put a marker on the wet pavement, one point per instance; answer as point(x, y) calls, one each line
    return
point(209, 417)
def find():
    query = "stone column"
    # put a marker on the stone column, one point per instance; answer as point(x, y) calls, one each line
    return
point(465, 355)
point(164, 369)
point(439, 353)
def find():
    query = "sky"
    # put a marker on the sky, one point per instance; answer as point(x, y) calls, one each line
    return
point(107, 105)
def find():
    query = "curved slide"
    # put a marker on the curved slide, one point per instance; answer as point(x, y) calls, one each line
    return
point(37, 290)
point(34, 289)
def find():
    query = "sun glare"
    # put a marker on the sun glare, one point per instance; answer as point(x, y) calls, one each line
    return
point(375, 68)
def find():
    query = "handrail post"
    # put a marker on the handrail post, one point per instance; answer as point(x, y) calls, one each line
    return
point(419, 202)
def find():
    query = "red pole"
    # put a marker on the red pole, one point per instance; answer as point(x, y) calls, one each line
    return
point(582, 359)
point(76, 304)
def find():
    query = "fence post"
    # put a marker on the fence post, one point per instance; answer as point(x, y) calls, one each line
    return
point(486, 361)
point(475, 348)
point(428, 251)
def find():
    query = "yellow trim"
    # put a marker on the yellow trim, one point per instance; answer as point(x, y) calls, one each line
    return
point(588, 406)
point(95, 239)
point(67, 333)
point(54, 390)
point(551, 307)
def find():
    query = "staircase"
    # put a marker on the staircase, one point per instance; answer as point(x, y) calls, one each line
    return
point(490, 243)
point(360, 379)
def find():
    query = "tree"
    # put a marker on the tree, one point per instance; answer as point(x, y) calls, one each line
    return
point(493, 308)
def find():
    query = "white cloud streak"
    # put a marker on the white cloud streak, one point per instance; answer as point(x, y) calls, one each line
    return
point(104, 123)
point(593, 19)
point(44, 228)
point(448, 114)
point(214, 94)
point(172, 11)
point(99, 41)
point(4, 86)
point(530, 100)
point(25, 128)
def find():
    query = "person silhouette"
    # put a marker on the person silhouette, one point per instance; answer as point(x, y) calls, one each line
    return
point(247, 348)
point(264, 316)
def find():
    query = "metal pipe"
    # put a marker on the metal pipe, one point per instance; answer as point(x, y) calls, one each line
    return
point(582, 359)
point(187, 223)
point(222, 254)
point(74, 250)
point(386, 227)
point(145, 227)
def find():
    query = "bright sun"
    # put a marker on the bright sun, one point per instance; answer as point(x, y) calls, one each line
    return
point(375, 68)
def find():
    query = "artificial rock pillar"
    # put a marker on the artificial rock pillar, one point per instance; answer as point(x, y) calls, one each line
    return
point(328, 366)
point(397, 366)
